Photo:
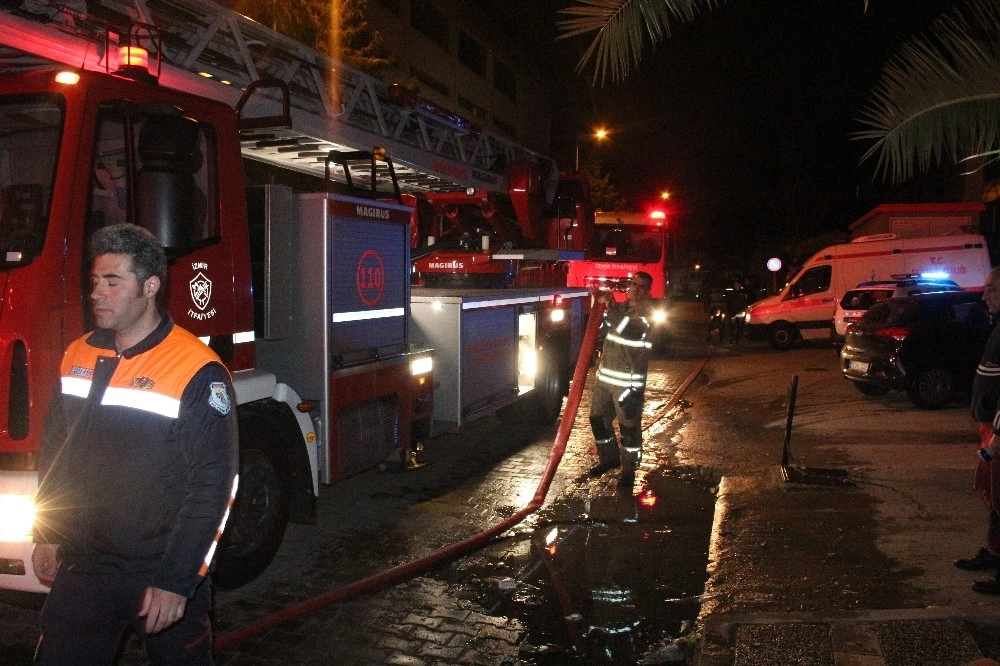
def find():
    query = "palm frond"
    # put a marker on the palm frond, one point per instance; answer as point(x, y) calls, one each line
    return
point(938, 100)
point(622, 27)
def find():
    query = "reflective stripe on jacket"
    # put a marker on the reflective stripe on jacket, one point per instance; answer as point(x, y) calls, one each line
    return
point(625, 355)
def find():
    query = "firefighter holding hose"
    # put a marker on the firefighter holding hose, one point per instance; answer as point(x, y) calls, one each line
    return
point(619, 389)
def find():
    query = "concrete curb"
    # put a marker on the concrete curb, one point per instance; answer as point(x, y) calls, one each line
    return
point(853, 637)
point(840, 638)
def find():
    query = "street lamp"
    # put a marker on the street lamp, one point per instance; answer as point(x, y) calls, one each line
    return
point(600, 134)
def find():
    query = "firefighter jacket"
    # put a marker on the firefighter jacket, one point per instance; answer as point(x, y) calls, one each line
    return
point(627, 345)
point(139, 463)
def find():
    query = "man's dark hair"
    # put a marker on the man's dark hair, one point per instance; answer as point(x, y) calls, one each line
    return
point(148, 257)
point(646, 277)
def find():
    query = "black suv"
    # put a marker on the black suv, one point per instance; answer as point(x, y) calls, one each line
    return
point(927, 345)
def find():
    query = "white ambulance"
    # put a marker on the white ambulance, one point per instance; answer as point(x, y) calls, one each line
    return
point(804, 309)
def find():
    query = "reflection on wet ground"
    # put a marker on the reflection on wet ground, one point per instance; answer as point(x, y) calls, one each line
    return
point(600, 579)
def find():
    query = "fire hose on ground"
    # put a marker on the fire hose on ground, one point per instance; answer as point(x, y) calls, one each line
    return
point(238, 635)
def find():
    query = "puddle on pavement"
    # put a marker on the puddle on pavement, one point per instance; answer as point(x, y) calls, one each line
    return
point(604, 579)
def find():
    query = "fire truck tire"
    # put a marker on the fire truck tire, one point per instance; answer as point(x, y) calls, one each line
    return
point(553, 384)
point(259, 516)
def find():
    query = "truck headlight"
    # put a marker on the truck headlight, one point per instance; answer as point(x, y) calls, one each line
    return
point(17, 517)
point(422, 365)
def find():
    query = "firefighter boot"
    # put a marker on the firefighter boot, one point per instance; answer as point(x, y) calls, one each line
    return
point(607, 454)
point(631, 454)
point(607, 445)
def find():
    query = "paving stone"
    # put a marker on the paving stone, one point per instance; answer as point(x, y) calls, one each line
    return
point(435, 637)
point(424, 621)
point(462, 628)
point(390, 642)
point(459, 615)
point(405, 660)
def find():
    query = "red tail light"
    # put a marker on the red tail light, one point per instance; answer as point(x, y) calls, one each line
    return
point(896, 332)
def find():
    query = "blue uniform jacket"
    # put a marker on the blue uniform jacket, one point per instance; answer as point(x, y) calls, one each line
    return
point(139, 462)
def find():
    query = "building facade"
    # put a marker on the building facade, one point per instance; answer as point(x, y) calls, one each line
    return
point(459, 55)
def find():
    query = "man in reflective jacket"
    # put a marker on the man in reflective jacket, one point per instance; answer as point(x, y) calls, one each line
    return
point(620, 384)
point(137, 472)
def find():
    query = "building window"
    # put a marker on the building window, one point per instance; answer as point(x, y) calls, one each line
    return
point(474, 109)
point(429, 81)
point(430, 21)
point(471, 54)
point(505, 81)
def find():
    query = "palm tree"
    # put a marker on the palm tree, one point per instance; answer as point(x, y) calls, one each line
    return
point(938, 100)
point(939, 97)
point(621, 28)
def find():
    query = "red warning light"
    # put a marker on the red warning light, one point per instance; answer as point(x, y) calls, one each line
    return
point(659, 217)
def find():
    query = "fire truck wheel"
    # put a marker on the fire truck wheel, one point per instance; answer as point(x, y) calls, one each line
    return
point(553, 382)
point(259, 516)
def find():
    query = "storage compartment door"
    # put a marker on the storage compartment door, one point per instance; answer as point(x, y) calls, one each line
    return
point(489, 359)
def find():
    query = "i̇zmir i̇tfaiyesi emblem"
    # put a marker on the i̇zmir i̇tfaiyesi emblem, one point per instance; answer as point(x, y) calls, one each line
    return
point(201, 293)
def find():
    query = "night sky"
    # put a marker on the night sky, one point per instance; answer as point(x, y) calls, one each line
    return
point(745, 116)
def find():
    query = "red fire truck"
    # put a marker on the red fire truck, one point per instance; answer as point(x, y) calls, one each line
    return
point(619, 245)
point(339, 363)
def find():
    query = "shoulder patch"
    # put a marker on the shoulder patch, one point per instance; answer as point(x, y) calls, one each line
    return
point(143, 383)
point(218, 398)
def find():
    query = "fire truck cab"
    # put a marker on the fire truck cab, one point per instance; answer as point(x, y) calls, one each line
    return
point(619, 245)
point(79, 152)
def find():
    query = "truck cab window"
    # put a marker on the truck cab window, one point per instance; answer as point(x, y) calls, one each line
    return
point(109, 177)
point(30, 129)
point(153, 167)
point(627, 243)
